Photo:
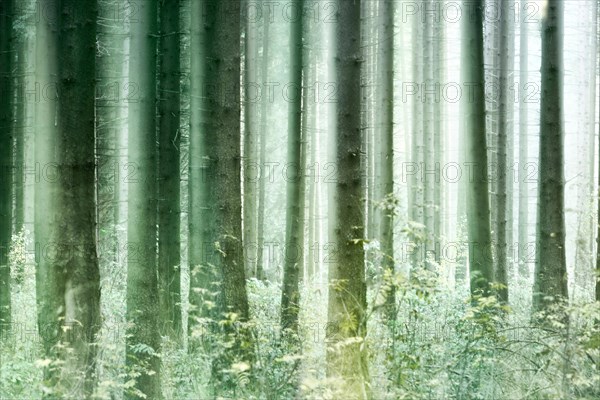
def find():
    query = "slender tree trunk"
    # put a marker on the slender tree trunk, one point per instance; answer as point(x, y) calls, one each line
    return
point(142, 282)
point(294, 245)
point(586, 122)
point(251, 135)
point(260, 268)
point(501, 275)
point(169, 138)
point(347, 294)
point(200, 221)
point(550, 270)
point(597, 272)
point(416, 182)
point(20, 121)
point(386, 123)
point(523, 147)
point(478, 210)
point(438, 124)
point(6, 162)
point(68, 283)
point(428, 99)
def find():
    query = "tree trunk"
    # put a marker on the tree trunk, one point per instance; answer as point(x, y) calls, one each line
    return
point(501, 275)
point(478, 210)
point(6, 162)
point(438, 134)
point(251, 135)
point(550, 269)
point(416, 204)
point(386, 124)
point(523, 147)
point(67, 279)
point(169, 138)
point(222, 152)
point(347, 294)
point(294, 243)
point(427, 167)
point(260, 268)
point(142, 282)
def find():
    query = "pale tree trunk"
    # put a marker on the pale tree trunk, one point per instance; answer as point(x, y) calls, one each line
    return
point(523, 235)
point(260, 270)
point(251, 137)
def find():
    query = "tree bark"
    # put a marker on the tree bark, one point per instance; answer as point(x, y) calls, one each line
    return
point(67, 278)
point(142, 268)
point(523, 147)
point(169, 139)
point(6, 162)
point(294, 243)
point(347, 293)
point(478, 210)
point(550, 280)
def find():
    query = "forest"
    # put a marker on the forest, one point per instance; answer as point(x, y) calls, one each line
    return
point(299, 199)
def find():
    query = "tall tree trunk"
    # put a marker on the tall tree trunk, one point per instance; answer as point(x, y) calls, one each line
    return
point(200, 221)
point(347, 294)
point(438, 125)
point(501, 275)
point(222, 152)
point(416, 204)
point(260, 267)
point(251, 135)
point(6, 162)
point(427, 167)
point(20, 121)
point(294, 243)
point(597, 272)
point(583, 266)
point(550, 269)
point(169, 138)
point(142, 268)
point(523, 146)
point(68, 282)
point(478, 210)
point(386, 123)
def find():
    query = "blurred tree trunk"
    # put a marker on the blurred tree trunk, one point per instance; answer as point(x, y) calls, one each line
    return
point(438, 134)
point(550, 278)
point(68, 281)
point(142, 268)
point(430, 178)
point(523, 146)
point(416, 203)
point(260, 267)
